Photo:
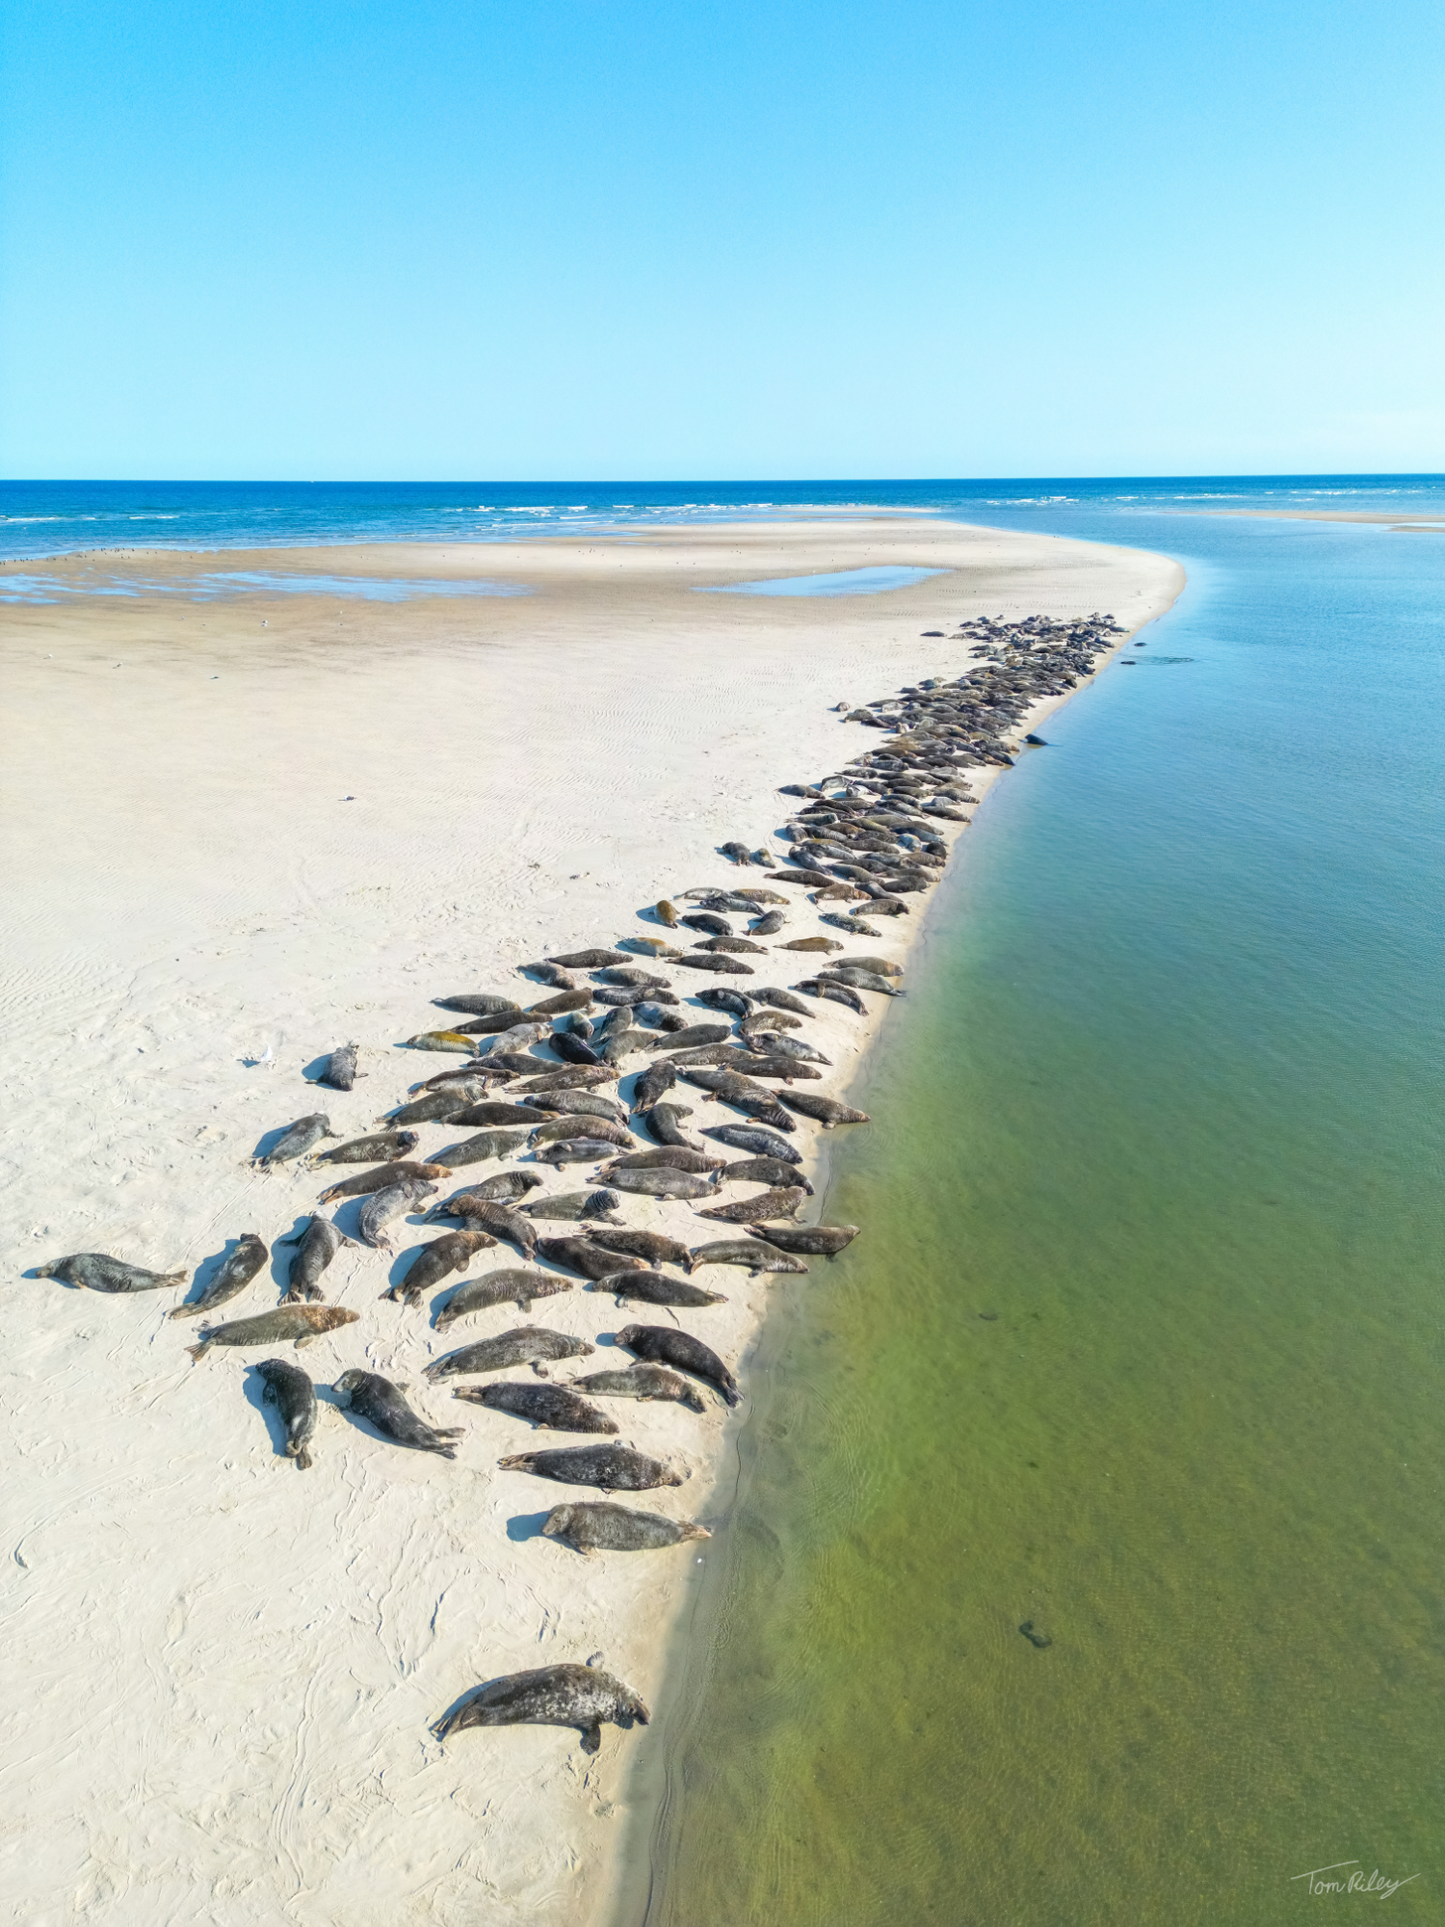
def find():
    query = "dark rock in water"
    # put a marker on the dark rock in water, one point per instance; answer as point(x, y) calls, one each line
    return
point(1032, 1634)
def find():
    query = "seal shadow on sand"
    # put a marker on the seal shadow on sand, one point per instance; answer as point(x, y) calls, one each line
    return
point(526, 1525)
point(312, 1071)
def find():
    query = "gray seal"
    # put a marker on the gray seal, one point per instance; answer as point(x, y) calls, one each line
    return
point(656, 1288)
point(483, 1004)
point(778, 1202)
point(96, 1271)
point(379, 1178)
point(576, 1207)
point(575, 1150)
point(480, 1213)
point(660, 1346)
point(297, 1139)
point(667, 1157)
point(663, 1182)
point(382, 1206)
point(367, 1150)
point(764, 1171)
point(781, 1000)
point(814, 1240)
point(552, 1408)
point(600, 1527)
point(316, 1247)
point(341, 1072)
point(232, 1278)
point(481, 1149)
point(381, 1404)
point(294, 1396)
point(646, 1382)
point(524, 1345)
point(615, 1468)
point(651, 1246)
point(827, 1111)
point(581, 1254)
point(758, 1139)
point(303, 1323)
point(436, 1261)
point(519, 1287)
point(581, 1696)
point(753, 1258)
point(556, 1129)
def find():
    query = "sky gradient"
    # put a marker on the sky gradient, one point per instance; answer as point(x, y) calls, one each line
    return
point(635, 240)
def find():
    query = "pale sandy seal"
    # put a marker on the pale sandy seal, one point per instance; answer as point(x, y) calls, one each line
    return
point(600, 1527)
point(661, 1346)
point(294, 1396)
point(233, 1277)
point(552, 1408)
point(438, 1260)
point(302, 1323)
point(443, 1040)
point(581, 1696)
point(381, 1404)
point(96, 1271)
point(615, 1468)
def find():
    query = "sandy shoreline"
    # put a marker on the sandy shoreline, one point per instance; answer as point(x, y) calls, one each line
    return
point(224, 838)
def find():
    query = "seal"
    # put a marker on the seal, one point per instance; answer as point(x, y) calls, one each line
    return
point(782, 1000)
point(297, 1139)
point(653, 1085)
point(691, 1037)
point(434, 1107)
point(381, 1404)
point(552, 1408)
point(709, 923)
point(615, 1468)
point(675, 1157)
point(767, 1023)
point(715, 960)
point(578, 1207)
point(484, 1004)
point(660, 1346)
point(299, 1322)
point(479, 1213)
point(833, 993)
point(826, 1111)
point(625, 996)
point(858, 979)
point(764, 1171)
point(663, 1181)
point(880, 966)
point(524, 1345)
point(233, 1276)
point(495, 1023)
point(564, 1001)
point(767, 925)
point(752, 1258)
point(815, 1240)
point(736, 1002)
point(581, 1696)
point(366, 1150)
point(647, 1382)
point(813, 943)
point(581, 1254)
point(656, 1288)
point(341, 1072)
point(626, 1043)
point(776, 1203)
point(600, 1527)
point(96, 1271)
point(629, 1241)
point(443, 1040)
point(778, 1046)
point(570, 1124)
point(573, 1048)
point(666, 912)
point(566, 1077)
point(317, 1245)
point(520, 1287)
point(382, 1206)
point(663, 1123)
point(578, 1104)
point(575, 1150)
point(855, 926)
point(437, 1260)
point(294, 1396)
point(497, 1115)
point(505, 1188)
point(514, 1040)
point(480, 1149)
point(756, 1138)
point(589, 959)
point(550, 973)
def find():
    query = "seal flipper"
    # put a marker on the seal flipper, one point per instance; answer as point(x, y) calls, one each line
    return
point(592, 1738)
point(303, 1460)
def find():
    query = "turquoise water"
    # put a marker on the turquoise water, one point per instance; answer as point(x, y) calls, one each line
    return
point(837, 582)
point(1142, 1346)
point(30, 586)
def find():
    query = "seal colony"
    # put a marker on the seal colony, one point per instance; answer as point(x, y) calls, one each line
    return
point(874, 835)
point(492, 787)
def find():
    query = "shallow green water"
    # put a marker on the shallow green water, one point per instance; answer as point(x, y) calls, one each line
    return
point(1142, 1343)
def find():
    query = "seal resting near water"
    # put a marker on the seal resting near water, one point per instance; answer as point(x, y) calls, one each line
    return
point(552, 1408)
point(615, 1468)
point(580, 1696)
point(600, 1527)
point(683, 1352)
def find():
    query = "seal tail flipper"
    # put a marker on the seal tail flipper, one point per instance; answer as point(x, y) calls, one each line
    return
point(694, 1532)
point(175, 1277)
point(592, 1739)
point(303, 1460)
point(198, 1352)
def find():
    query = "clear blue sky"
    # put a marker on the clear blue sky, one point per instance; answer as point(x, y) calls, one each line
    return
point(721, 238)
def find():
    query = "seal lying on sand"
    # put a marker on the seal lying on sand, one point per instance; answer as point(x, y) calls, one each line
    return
point(438, 1260)
point(647, 1382)
point(341, 1072)
point(294, 1396)
point(665, 1157)
point(827, 1111)
point(779, 1202)
point(575, 1150)
point(582, 1696)
point(816, 1240)
point(297, 1139)
point(581, 1254)
point(758, 1139)
point(661, 1346)
point(665, 1181)
point(379, 1178)
point(299, 1322)
point(480, 1213)
point(651, 1246)
point(764, 1171)
point(576, 1207)
point(518, 1287)
point(394, 1202)
point(95, 1271)
point(752, 1257)
point(655, 1288)
point(615, 1468)
point(316, 1247)
point(484, 1004)
point(366, 1150)
point(525, 1345)
point(377, 1400)
point(233, 1277)
point(551, 1407)
point(600, 1527)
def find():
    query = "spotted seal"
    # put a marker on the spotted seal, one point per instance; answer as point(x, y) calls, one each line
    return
point(600, 1527)
point(577, 1207)
point(661, 1346)
point(381, 1404)
point(581, 1696)
point(552, 1408)
point(317, 1245)
point(232, 1278)
point(302, 1323)
point(615, 1468)
point(453, 1251)
point(97, 1271)
point(523, 1345)
point(520, 1287)
point(289, 1389)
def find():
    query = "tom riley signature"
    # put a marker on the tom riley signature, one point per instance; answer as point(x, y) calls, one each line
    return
point(1334, 1880)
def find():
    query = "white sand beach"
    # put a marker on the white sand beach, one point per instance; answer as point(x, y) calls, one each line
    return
point(257, 827)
